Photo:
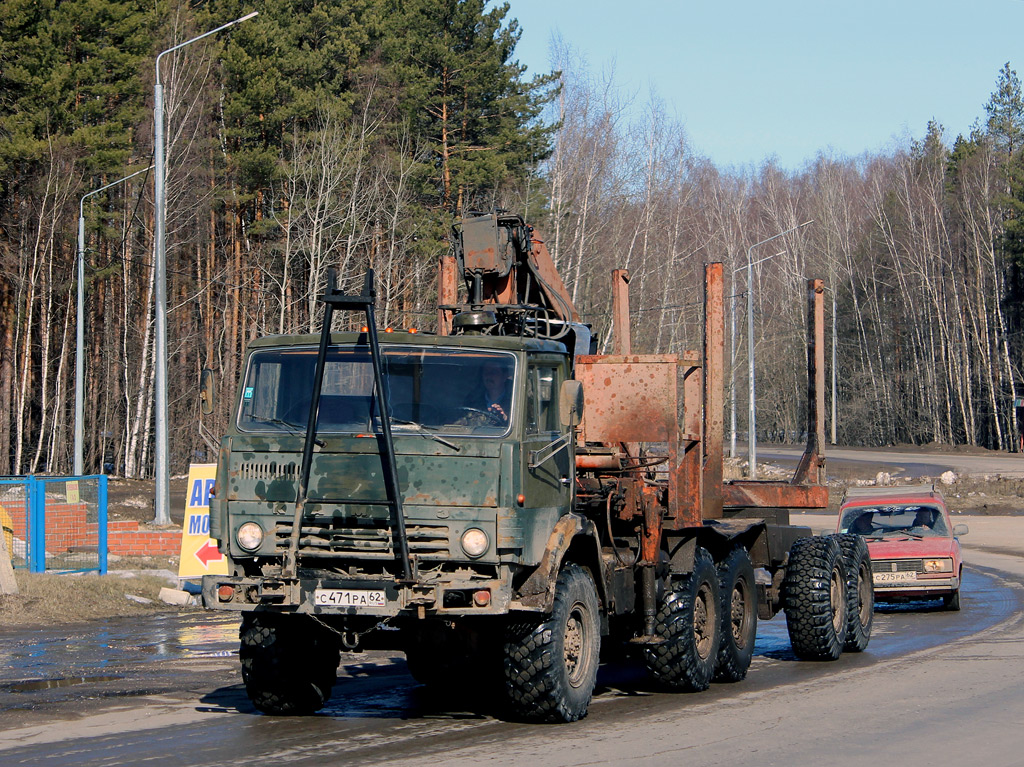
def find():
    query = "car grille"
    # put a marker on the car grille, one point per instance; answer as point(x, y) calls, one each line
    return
point(897, 565)
point(362, 539)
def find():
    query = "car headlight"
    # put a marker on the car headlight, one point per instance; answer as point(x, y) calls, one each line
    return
point(474, 542)
point(938, 565)
point(249, 536)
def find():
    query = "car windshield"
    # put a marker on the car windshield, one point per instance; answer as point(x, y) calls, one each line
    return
point(454, 391)
point(901, 520)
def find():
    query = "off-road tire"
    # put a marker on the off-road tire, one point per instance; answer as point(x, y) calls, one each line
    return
point(738, 615)
point(689, 623)
point(814, 594)
point(860, 591)
point(289, 664)
point(551, 665)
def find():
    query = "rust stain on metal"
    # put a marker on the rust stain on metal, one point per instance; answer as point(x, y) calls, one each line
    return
point(742, 493)
point(714, 391)
point(629, 398)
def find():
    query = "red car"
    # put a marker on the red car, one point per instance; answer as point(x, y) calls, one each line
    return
point(914, 549)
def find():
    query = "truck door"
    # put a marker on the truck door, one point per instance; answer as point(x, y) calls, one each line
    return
point(547, 475)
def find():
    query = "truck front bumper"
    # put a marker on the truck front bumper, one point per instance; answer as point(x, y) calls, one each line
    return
point(357, 597)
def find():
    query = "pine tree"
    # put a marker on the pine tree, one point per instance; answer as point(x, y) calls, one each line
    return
point(1005, 110)
point(462, 92)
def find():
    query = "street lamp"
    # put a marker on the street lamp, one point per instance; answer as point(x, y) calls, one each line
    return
point(162, 501)
point(732, 355)
point(80, 340)
point(752, 412)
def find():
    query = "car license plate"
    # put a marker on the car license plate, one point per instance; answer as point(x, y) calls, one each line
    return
point(350, 598)
point(894, 579)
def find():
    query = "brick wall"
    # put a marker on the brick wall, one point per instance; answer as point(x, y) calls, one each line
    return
point(67, 529)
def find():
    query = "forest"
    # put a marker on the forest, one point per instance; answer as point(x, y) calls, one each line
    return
point(353, 135)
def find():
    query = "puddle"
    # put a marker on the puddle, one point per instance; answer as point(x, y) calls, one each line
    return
point(50, 684)
point(104, 647)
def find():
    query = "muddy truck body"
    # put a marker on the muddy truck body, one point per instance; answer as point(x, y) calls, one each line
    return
point(497, 501)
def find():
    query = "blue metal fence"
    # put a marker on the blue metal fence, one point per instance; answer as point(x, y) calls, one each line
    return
point(55, 524)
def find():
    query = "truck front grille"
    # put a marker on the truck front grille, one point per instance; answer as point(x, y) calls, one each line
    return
point(897, 565)
point(362, 539)
point(268, 470)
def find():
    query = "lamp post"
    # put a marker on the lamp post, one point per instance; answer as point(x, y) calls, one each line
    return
point(80, 328)
point(752, 411)
point(732, 356)
point(162, 501)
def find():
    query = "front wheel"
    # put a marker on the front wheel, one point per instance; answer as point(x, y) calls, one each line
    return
point(689, 625)
point(551, 664)
point(952, 601)
point(814, 593)
point(289, 665)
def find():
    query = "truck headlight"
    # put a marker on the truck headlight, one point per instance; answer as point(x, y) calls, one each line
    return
point(474, 542)
point(249, 536)
point(938, 565)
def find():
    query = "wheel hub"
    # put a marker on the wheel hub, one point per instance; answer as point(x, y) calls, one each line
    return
point(703, 621)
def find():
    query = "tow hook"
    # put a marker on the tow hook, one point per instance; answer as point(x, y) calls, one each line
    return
point(350, 640)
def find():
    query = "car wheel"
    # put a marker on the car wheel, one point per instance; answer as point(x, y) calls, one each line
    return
point(952, 601)
point(814, 594)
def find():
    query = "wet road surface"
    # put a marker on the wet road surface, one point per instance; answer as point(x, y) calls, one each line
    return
point(167, 689)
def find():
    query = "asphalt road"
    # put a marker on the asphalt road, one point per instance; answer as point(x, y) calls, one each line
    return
point(933, 687)
point(908, 463)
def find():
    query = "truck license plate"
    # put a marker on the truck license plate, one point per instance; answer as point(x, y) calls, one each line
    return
point(350, 598)
point(892, 579)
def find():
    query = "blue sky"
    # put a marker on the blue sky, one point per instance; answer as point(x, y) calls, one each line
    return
point(751, 80)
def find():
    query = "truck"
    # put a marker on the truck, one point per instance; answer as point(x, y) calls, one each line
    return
point(500, 502)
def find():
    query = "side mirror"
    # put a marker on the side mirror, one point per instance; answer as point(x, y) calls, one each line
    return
point(570, 403)
point(206, 391)
point(959, 530)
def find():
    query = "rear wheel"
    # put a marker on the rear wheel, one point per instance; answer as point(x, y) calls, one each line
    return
point(551, 665)
point(689, 624)
point(814, 591)
point(860, 591)
point(739, 616)
point(289, 664)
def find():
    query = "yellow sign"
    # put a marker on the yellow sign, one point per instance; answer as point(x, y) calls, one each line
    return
point(72, 491)
point(199, 554)
point(7, 526)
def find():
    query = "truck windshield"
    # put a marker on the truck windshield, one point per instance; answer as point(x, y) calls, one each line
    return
point(455, 391)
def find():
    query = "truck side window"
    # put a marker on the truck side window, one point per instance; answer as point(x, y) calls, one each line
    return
point(542, 399)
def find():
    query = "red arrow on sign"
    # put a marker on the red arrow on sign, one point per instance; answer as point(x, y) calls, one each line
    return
point(208, 553)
